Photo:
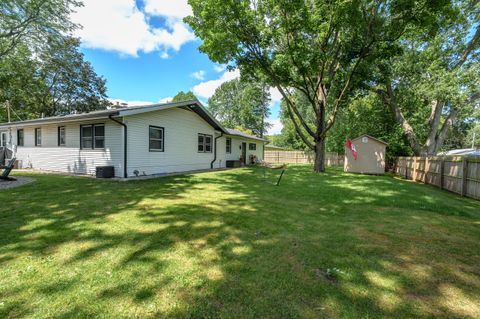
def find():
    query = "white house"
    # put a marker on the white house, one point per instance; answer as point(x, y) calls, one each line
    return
point(143, 140)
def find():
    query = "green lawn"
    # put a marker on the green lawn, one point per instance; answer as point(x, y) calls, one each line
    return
point(228, 244)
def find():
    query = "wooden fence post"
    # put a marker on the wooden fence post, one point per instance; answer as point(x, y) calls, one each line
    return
point(426, 168)
point(406, 168)
point(414, 173)
point(464, 175)
point(442, 171)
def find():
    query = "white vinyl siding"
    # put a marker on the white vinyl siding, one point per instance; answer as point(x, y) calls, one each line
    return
point(237, 151)
point(70, 158)
point(181, 128)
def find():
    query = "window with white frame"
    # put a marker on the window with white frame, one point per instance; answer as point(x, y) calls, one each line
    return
point(92, 136)
point(228, 144)
point(38, 137)
point(61, 135)
point(252, 146)
point(20, 137)
point(156, 138)
point(204, 143)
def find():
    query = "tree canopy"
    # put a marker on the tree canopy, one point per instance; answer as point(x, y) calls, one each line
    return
point(323, 49)
point(42, 71)
point(433, 84)
point(242, 105)
point(184, 96)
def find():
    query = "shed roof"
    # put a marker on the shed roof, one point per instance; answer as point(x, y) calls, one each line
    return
point(373, 138)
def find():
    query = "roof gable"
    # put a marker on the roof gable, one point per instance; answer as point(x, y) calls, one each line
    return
point(192, 105)
point(370, 137)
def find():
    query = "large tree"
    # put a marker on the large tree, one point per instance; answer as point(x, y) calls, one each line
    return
point(73, 85)
point(53, 82)
point(433, 85)
point(241, 104)
point(321, 48)
point(33, 22)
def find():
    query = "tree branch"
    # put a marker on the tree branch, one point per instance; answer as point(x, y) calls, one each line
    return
point(470, 47)
point(389, 99)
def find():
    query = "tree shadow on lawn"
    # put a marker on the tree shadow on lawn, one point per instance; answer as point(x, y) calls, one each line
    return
point(228, 244)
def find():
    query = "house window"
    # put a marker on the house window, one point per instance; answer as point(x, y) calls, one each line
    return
point(20, 137)
point(252, 146)
point(3, 139)
point(38, 137)
point(228, 145)
point(92, 136)
point(155, 138)
point(204, 143)
point(61, 136)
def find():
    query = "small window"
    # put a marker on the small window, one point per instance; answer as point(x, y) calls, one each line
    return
point(38, 137)
point(99, 136)
point(61, 136)
point(228, 145)
point(252, 146)
point(92, 136)
point(20, 137)
point(204, 143)
point(155, 138)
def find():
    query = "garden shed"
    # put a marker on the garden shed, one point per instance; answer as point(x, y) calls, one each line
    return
point(365, 154)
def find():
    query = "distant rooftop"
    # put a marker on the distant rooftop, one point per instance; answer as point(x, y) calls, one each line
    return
point(461, 152)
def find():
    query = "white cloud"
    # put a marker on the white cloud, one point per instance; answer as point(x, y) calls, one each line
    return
point(120, 26)
point(131, 103)
point(164, 55)
point(275, 95)
point(219, 68)
point(206, 89)
point(199, 75)
point(166, 99)
point(276, 127)
point(168, 8)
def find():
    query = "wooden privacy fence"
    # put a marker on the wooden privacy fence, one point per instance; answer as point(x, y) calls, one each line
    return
point(458, 174)
point(301, 157)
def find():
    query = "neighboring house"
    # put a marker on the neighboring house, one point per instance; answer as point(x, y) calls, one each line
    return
point(462, 152)
point(143, 140)
point(370, 156)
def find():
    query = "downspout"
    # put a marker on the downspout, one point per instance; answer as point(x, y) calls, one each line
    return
point(215, 151)
point(125, 174)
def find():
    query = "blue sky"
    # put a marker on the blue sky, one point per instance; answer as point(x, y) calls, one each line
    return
point(147, 54)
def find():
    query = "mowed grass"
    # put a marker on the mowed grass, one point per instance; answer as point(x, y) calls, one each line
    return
point(229, 244)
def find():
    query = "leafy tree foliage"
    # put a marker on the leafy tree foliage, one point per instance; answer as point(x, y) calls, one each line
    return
point(42, 71)
point(33, 22)
point(242, 105)
point(433, 85)
point(184, 96)
point(322, 48)
point(57, 81)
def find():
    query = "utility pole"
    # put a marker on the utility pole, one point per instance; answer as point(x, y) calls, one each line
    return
point(8, 111)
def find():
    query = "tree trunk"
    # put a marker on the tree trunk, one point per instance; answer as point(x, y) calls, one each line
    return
point(319, 165)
